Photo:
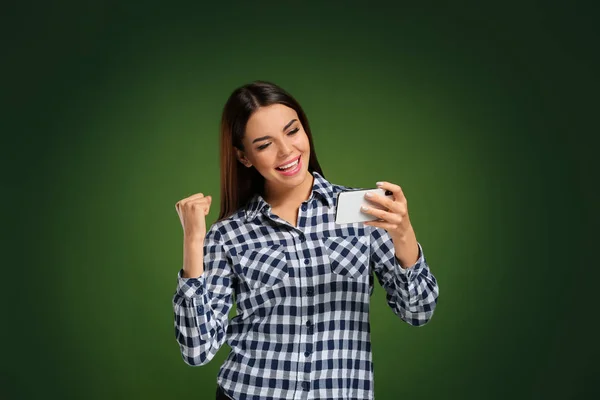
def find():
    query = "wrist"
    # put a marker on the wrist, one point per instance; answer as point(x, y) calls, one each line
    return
point(193, 240)
point(405, 236)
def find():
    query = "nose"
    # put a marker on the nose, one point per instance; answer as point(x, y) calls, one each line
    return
point(284, 149)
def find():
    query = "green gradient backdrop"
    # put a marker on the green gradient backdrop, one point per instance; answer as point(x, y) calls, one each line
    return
point(480, 113)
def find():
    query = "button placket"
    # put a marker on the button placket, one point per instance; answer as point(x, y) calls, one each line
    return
point(302, 215)
point(306, 304)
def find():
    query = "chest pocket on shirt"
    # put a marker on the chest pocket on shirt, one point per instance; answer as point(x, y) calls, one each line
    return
point(348, 256)
point(262, 267)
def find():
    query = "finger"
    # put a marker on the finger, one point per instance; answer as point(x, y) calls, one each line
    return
point(203, 202)
point(395, 189)
point(193, 197)
point(382, 224)
point(182, 202)
point(381, 214)
point(383, 200)
point(207, 202)
point(179, 214)
point(207, 199)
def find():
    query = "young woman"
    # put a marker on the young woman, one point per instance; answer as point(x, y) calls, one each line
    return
point(301, 283)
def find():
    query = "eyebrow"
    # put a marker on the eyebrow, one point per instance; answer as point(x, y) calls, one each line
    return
point(269, 137)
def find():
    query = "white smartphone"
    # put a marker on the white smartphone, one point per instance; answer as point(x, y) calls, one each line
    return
point(349, 203)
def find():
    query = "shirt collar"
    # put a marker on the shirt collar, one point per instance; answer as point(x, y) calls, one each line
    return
point(321, 188)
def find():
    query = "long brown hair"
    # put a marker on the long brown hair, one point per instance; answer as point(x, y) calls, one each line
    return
point(240, 183)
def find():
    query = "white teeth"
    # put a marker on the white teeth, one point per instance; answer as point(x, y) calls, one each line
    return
point(287, 166)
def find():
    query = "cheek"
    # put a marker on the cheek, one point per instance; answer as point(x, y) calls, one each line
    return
point(264, 159)
point(302, 142)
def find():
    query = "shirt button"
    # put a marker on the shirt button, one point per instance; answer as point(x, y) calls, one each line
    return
point(200, 310)
point(308, 323)
point(305, 385)
point(303, 207)
point(306, 261)
point(310, 291)
point(199, 291)
point(306, 353)
point(196, 283)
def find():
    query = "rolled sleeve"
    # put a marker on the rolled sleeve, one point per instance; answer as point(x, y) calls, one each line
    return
point(201, 305)
point(410, 273)
point(190, 288)
point(412, 292)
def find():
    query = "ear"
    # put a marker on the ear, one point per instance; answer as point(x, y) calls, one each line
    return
point(242, 158)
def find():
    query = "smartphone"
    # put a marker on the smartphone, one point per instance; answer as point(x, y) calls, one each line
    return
point(349, 202)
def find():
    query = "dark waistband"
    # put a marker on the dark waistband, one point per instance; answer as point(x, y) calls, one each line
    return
point(221, 394)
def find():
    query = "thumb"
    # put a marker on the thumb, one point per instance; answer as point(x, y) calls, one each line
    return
point(209, 203)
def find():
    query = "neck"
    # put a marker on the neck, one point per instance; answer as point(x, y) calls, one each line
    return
point(284, 196)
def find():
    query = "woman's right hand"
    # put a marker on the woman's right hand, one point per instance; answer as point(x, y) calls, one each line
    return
point(192, 212)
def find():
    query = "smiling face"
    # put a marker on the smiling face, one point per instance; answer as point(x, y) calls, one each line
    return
point(276, 144)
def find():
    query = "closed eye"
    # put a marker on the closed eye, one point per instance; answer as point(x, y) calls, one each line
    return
point(290, 133)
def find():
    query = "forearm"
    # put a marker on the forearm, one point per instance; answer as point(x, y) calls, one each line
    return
point(406, 249)
point(193, 257)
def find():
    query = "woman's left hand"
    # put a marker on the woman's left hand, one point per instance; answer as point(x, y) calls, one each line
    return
point(396, 221)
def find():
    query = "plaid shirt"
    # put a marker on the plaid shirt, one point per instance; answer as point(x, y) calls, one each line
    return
point(302, 298)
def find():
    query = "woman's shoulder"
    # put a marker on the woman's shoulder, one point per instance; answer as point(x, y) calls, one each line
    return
point(235, 217)
point(221, 227)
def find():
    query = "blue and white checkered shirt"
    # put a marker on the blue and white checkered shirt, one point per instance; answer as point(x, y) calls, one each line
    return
point(302, 299)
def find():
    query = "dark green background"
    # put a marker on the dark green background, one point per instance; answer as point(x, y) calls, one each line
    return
point(484, 114)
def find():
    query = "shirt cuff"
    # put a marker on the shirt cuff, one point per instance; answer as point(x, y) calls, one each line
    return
point(410, 273)
point(190, 288)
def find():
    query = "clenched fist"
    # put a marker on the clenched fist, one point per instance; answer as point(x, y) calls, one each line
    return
point(192, 212)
